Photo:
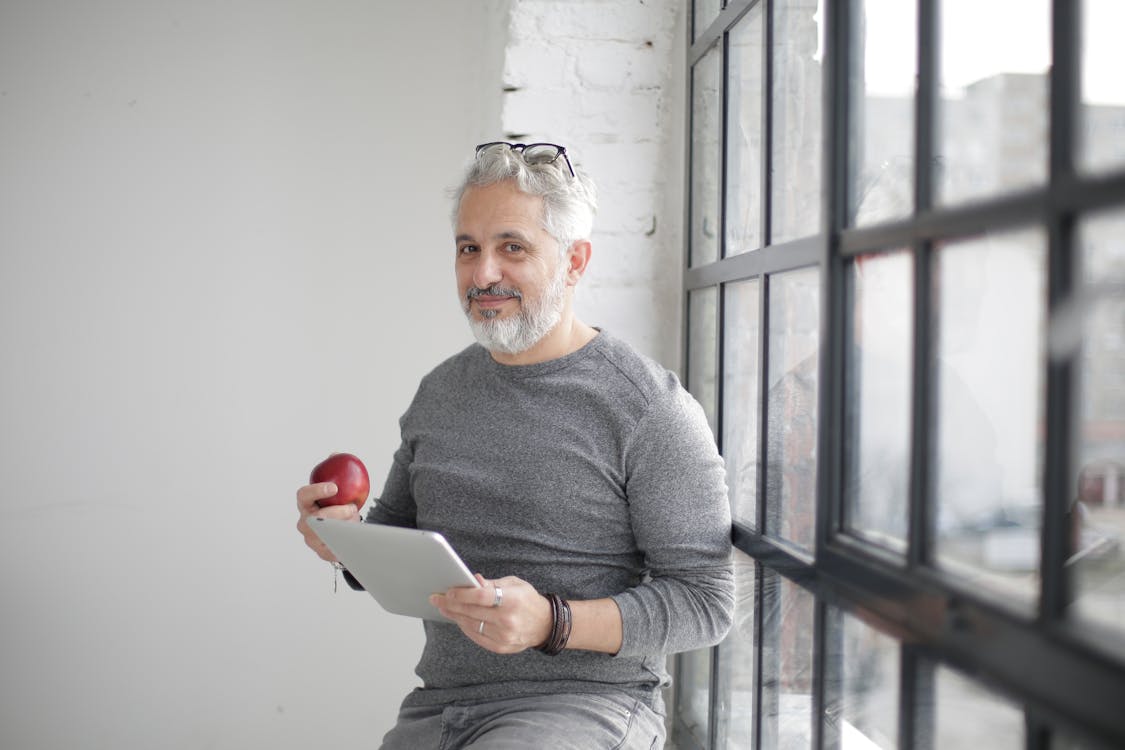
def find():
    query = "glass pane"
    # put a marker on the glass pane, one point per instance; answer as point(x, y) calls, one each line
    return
point(864, 677)
point(703, 307)
point(794, 324)
point(705, 12)
point(1102, 134)
point(740, 398)
point(705, 131)
point(693, 693)
point(878, 401)
point(881, 142)
point(795, 176)
point(1098, 564)
point(1067, 741)
point(787, 663)
point(744, 134)
point(990, 299)
point(966, 714)
point(992, 100)
point(735, 721)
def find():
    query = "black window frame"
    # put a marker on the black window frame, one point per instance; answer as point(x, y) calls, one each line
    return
point(1047, 663)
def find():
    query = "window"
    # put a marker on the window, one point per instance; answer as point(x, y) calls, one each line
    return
point(904, 289)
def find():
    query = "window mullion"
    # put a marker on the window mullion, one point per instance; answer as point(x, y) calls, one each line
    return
point(1057, 459)
point(767, 121)
point(832, 328)
point(919, 514)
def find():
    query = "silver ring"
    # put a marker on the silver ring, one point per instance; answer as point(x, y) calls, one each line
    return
point(498, 597)
point(480, 630)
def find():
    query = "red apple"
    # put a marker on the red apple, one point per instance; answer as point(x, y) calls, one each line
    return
point(350, 476)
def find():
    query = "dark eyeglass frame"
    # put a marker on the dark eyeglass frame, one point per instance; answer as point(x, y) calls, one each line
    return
point(522, 148)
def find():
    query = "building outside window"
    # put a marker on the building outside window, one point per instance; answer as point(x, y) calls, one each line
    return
point(905, 318)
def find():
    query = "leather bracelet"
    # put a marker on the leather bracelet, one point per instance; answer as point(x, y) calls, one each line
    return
point(550, 646)
point(561, 622)
point(546, 645)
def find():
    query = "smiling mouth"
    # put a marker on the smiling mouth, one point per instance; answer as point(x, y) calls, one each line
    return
point(489, 300)
point(492, 300)
point(489, 306)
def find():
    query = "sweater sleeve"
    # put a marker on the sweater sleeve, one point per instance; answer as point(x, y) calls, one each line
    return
point(396, 506)
point(678, 506)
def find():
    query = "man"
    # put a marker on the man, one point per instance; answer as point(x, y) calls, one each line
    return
point(575, 475)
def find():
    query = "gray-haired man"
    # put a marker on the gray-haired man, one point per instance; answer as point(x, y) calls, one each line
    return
point(575, 475)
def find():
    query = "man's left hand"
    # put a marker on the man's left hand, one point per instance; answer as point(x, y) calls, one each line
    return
point(506, 615)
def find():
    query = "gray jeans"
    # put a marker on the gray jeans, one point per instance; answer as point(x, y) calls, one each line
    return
point(581, 721)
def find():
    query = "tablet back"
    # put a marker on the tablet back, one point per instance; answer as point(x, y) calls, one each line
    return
point(399, 567)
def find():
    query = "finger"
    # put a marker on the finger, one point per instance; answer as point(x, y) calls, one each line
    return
point(346, 512)
point(326, 489)
point(309, 495)
point(439, 603)
point(341, 513)
point(495, 596)
point(321, 551)
point(474, 596)
point(314, 543)
point(459, 612)
point(492, 636)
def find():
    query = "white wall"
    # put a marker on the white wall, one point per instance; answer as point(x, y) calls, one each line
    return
point(224, 253)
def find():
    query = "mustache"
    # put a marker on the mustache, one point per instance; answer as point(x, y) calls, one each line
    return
point(492, 291)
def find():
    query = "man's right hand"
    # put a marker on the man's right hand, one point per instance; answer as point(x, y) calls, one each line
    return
point(307, 498)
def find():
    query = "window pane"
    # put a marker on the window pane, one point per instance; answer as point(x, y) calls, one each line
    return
point(705, 12)
point(966, 714)
point(990, 294)
point(735, 722)
point(702, 351)
point(864, 675)
point(795, 175)
point(1098, 564)
point(1067, 741)
point(992, 103)
point(794, 322)
point(787, 663)
point(881, 158)
point(878, 402)
point(693, 693)
point(740, 398)
point(1102, 135)
point(705, 131)
point(744, 134)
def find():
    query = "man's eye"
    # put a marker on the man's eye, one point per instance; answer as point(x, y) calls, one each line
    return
point(514, 248)
point(466, 249)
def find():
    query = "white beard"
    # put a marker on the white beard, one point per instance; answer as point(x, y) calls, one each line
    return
point(518, 333)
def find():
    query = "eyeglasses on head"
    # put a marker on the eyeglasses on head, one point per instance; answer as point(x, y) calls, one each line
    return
point(534, 153)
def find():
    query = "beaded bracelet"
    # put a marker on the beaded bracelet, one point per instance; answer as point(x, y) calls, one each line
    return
point(561, 622)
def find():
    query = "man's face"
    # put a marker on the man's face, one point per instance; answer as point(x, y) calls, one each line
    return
point(510, 276)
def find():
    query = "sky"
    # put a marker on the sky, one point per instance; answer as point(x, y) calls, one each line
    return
point(986, 37)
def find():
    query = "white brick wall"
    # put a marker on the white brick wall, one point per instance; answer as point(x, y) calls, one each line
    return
point(605, 78)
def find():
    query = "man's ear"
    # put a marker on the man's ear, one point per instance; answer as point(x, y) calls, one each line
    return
point(577, 258)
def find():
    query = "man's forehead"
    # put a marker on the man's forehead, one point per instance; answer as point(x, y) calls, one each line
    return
point(500, 204)
point(505, 193)
point(503, 234)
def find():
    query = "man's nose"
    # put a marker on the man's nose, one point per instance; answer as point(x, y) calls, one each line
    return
point(487, 271)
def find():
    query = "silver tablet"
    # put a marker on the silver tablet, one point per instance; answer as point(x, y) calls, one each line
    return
point(399, 567)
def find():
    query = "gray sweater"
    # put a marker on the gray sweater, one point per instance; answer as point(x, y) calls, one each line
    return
point(593, 475)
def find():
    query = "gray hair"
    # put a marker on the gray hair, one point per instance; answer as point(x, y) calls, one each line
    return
point(569, 203)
